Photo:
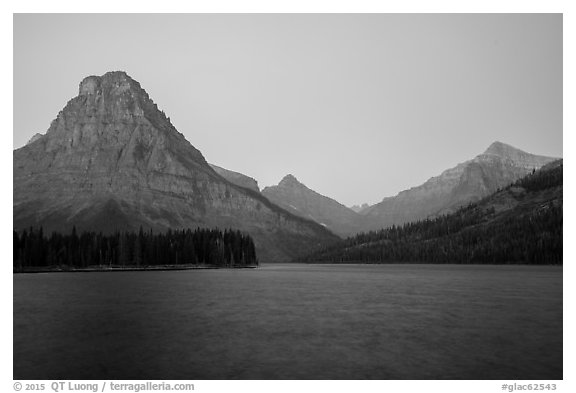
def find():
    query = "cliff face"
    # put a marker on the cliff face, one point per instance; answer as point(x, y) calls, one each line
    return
point(300, 200)
point(237, 178)
point(112, 161)
point(467, 182)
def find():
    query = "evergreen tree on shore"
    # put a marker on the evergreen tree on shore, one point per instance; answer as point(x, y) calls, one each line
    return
point(32, 249)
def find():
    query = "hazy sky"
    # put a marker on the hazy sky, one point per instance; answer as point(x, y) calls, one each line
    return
point(356, 106)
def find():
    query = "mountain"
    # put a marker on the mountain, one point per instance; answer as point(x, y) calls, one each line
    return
point(359, 208)
point(497, 167)
point(521, 223)
point(237, 178)
point(298, 199)
point(111, 160)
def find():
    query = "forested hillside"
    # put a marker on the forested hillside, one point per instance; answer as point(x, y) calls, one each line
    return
point(521, 223)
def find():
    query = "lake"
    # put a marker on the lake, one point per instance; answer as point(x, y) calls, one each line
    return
point(292, 322)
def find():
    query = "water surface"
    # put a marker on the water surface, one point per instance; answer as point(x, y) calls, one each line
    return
point(292, 322)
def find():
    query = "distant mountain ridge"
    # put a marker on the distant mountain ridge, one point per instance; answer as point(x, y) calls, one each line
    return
point(470, 181)
point(111, 160)
point(498, 166)
point(359, 208)
point(295, 197)
point(521, 223)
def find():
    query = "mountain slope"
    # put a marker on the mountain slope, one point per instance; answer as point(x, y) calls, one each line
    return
point(520, 224)
point(467, 182)
point(295, 197)
point(237, 178)
point(111, 160)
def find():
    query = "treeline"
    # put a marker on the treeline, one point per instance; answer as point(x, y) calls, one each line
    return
point(32, 248)
point(531, 233)
point(543, 179)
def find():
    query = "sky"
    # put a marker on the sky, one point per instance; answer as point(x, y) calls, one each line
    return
point(357, 106)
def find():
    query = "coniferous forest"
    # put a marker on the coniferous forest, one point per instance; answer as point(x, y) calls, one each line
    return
point(520, 224)
point(211, 247)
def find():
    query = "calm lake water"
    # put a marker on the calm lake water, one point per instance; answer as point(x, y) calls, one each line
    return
point(292, 322)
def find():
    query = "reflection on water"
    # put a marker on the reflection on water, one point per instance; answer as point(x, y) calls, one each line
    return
point(292, 322)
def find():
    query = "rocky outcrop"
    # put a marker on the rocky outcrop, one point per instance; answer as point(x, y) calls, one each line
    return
point(237, 178)
point(295, 197)
point(111, 160)
point(498, 166)
point(34, 138)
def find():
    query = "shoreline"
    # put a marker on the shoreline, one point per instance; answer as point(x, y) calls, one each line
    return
point(129, 269)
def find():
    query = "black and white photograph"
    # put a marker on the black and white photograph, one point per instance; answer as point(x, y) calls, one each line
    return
point(288, 196)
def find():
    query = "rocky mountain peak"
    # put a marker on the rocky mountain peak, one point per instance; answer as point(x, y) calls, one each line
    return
point(300, 200)
point(499, 165)
point(112, 106)
point(112, 123)
point(503, 152)
point(115, 84)
point(112, 161)
point(290, 181)
point(116, 90)
point(501, 149)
